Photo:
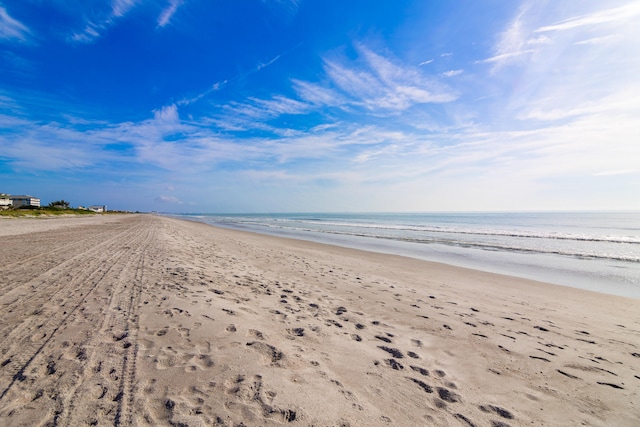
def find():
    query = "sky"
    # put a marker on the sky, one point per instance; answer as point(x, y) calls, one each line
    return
point(322, 105)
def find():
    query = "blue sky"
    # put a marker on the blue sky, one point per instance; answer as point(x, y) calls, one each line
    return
point(321, 105)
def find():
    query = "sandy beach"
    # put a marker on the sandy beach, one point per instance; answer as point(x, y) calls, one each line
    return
point(147, 320)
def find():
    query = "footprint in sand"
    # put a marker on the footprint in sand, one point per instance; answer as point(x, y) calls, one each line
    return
point(256, 334)
point(393, 351)
point(420, 370)
point(497, 410)
point(447, 395)
point(252, 392)
point(296, 332)
point(394, 364)
point(269, 352)
point(382, 338)
point(166, 358)
point(424, 386)
point(464, 419)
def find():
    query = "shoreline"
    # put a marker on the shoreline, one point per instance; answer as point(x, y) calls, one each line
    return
point(517, 265)
point(147, 320)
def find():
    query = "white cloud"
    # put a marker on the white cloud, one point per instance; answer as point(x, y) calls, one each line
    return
point(266, 64)
point(168, 199)
point(598, 40)
point(94, 28)
point(581, 71)
point(279, 105)
point(570, 108)
point(378, 84)
point(452, 73)
point(121, 7)
point(316, 94)
point(90, 33)
point(468, 163)
point(167, 114)
point(221, 84)
point(263, 109)
point(372, 83)
point(512, 43)
point(521, 40)
point(618, 14)
point(168, 12)
point(213, 88)
point(501, 58)
point(539, 40)
point(619, 101)
point(11, 28)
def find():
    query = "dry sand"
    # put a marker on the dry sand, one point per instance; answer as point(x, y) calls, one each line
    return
point(146, 320)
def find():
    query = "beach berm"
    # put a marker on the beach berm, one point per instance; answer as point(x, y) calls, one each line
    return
point(150, 320)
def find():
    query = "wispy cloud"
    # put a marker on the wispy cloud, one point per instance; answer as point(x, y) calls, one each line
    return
point(528, 35)
point(377, 83)
point(94, 28)
point(221, 84)
point(513, 41)
point(371, 84)
point(582, 67)
point(317, 94)
point(503, 57)
point(213, 88)
point(598, 40)
point(168, 12)
point(335, 153)
point(168, 199)
point(121, 7)
point(12, 29)
point(279, 105)
point(266, 64)
point(623, 13)
point(452, 73)
point(262, 109)
point(91, 32)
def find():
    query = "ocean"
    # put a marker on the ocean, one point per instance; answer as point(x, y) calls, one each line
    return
point(598, 251)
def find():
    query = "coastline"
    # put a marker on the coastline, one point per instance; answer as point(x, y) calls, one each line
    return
point(199, 325)
point(584, 250)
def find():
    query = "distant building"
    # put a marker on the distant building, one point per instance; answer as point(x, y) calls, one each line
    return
point(5, 201)
point(25, 201)
point(97, 208)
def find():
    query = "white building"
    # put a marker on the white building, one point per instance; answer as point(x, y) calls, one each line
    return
point(5, 201)
point(98, 208)
point(22, 201)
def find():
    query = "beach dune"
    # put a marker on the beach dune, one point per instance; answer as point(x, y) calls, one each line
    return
point(149, 320)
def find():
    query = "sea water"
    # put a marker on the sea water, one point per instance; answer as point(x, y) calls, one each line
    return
point(597, 251)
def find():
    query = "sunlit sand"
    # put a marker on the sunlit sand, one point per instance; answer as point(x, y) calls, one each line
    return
point(148, 320)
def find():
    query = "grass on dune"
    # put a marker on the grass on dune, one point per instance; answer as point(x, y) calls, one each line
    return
point(19, 213)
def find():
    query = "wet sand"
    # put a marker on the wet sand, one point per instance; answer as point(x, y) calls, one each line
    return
point(147, 320)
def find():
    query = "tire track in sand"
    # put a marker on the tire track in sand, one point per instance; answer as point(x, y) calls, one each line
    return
point(99, 274)
point(30, 295)
point(111, 365)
